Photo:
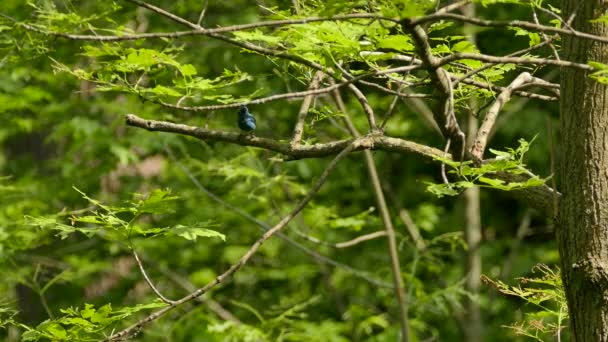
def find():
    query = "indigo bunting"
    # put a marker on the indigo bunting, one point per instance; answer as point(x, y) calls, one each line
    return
point(246, 120)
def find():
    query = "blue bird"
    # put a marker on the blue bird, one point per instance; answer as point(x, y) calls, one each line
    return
point(246, 121)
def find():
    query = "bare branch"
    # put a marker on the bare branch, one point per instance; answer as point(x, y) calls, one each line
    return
point(517, 92)
point(299, 127)
point(360, 239)
point(514, 60)
point(344, 244)
point(164, 13)
point(143, 272)
point(203, 11)
point(453, 7)
point(511, 23)
point(306, 151)
point(490, 118)
point(412, 229)
point(545, 37)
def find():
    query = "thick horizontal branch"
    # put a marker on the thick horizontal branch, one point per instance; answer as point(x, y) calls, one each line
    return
point(375, 142)
point(540, 198)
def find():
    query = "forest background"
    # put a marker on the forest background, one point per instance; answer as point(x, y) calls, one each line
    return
point(105, 221)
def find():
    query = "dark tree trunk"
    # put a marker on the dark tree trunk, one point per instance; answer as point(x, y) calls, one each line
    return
point(582, 230)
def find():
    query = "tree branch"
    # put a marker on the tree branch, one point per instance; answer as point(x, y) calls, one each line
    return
point(539, 197)
point(304, 108)
point(149, 282)
point(511, 23)
point(307, 151)
point(481, 139)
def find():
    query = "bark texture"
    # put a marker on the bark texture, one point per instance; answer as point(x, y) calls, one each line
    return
point(582, 230)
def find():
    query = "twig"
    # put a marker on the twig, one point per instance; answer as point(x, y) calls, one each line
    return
point(367, 108)
point(143, 272)
point(202, 15)
point(515, 60)
point(360, 239)
point(391, 107)
point(444, 177)
point(185, 284)
point(500, 89)
point(412, 229)
point(344, 244)
point(252, 250)
point(393, 92)
point(453, 7)
point(544, 35)
point(167, 14)
point(511, 23)
point(524, 51)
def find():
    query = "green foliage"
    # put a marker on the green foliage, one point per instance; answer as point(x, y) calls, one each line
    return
point(533, 36)
point(602, 19)
point(544, 292)
point(110, 219)
point(510, 161)
point(66, 253)
point(406, 8)
point(86, 324)
point(601, 72)
point(125, 69)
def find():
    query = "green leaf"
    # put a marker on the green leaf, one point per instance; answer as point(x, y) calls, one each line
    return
point(503, 154)
point(400, 43)
point(603, 19)
point(163, 91)
point(64, 230)
point(441, 190)
point(157, 202)
point(192, 233)
point(187, 70)
point(464, 46)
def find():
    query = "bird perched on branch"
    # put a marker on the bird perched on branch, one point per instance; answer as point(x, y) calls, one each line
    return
point(246, 121)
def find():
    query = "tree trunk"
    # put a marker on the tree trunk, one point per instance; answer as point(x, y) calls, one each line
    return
point(582, 230)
